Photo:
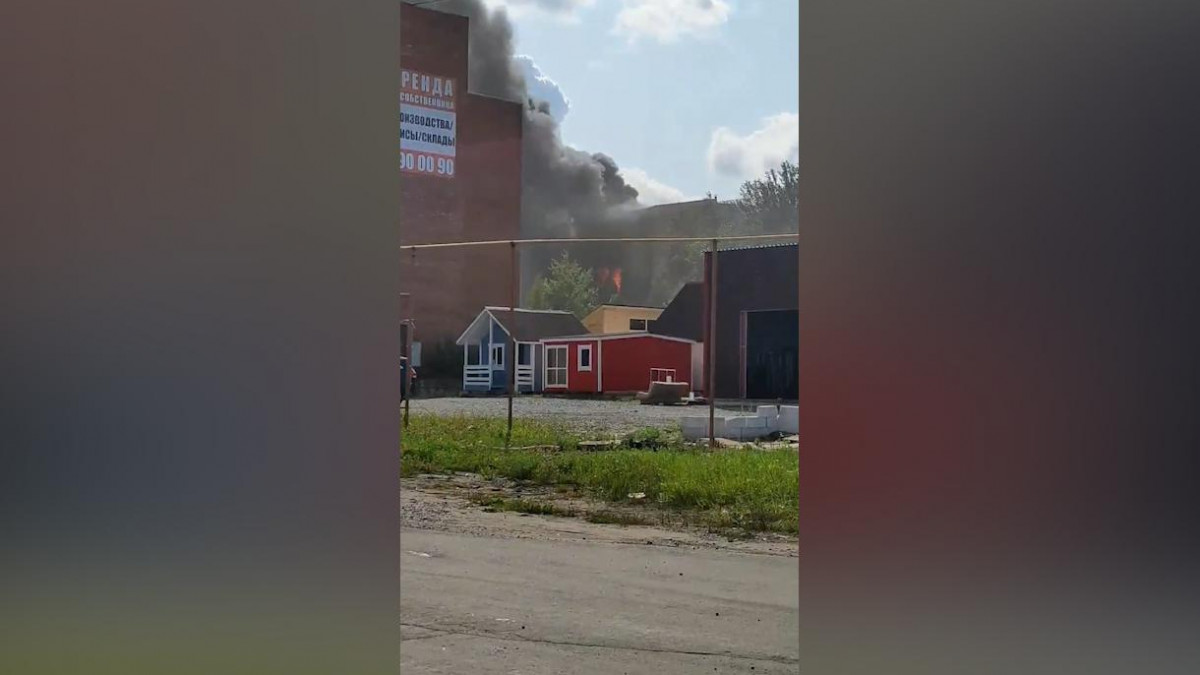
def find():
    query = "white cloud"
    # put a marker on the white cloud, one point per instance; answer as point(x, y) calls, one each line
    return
point(568, 10)
point(651, 191)
point(668, 21)
point(542, 88)
point(750, 156)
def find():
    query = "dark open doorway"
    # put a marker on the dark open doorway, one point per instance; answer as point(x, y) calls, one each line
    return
point(772, 350)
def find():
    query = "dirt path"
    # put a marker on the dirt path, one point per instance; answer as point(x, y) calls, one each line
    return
point(443, 503)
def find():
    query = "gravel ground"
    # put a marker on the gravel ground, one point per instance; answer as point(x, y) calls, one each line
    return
point(615, 417)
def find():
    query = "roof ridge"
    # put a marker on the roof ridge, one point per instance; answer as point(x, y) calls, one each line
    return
point(751, 247)
point(617, 304)
point(522, 309)
point(613, 336)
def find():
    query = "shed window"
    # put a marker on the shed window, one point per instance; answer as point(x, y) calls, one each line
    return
point(585, 357)
point(497, 356)
point(637, 324)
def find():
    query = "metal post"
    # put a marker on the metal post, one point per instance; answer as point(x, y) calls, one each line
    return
point(405, 389)
point(408, 340)
point(711, 346)
point(408, 372)
point(405, 419)
point(512, 342)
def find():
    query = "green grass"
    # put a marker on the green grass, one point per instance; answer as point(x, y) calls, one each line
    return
point(751, 490)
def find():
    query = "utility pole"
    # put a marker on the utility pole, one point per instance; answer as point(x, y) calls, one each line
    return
point(514, 273)
point(710, 348)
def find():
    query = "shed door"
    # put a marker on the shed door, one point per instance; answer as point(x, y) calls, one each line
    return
point(556, 366)
point(496, 357)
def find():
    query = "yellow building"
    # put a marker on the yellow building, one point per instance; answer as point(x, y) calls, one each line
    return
point(607, 319)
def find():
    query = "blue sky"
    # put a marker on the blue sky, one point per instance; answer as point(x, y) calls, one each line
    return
point(688, 96)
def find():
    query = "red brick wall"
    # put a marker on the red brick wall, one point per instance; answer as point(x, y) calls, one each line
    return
point(481, 202)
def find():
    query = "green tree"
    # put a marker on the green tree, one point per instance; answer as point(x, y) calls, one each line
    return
point(772, 203)
point(567, 286)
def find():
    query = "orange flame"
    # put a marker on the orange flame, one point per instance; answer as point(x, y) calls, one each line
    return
point(616, 278)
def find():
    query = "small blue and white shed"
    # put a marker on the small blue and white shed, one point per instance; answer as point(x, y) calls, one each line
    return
point(485, 343)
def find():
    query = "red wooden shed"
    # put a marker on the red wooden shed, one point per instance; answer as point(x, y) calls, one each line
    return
point(617, 363)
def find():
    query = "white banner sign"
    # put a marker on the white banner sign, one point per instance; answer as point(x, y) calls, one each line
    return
point(425, 130)
point(428, 124)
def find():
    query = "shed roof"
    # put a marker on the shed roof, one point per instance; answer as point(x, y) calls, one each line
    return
point(752, 247)
point(620, 305)
point(683, 317)
point(530, 325)
point(601, 337)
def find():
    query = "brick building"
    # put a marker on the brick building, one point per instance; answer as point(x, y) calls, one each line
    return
point(460, 178)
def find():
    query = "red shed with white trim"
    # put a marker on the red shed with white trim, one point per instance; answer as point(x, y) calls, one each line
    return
point(618, 363)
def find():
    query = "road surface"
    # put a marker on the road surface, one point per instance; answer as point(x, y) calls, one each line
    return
point(491, 605)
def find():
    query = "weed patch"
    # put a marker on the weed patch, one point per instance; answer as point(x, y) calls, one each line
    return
point(753, 490)
point(493, 503)
point(616, 518)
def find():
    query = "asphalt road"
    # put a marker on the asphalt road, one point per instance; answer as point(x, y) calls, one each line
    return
point(491, 605)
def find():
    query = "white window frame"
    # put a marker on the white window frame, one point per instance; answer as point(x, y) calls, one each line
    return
point(496, 363)
point(591, 358)
point(565, 368)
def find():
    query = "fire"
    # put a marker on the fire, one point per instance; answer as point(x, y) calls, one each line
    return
point(616, 279)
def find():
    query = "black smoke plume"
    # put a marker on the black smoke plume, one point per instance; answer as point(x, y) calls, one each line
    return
point(568, 193)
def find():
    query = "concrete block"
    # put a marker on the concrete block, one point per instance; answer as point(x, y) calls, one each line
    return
point(738, 427)
point(696, 428)
point(789, 419)
point(740, 421)
point(747, 428)
point(769, 413)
